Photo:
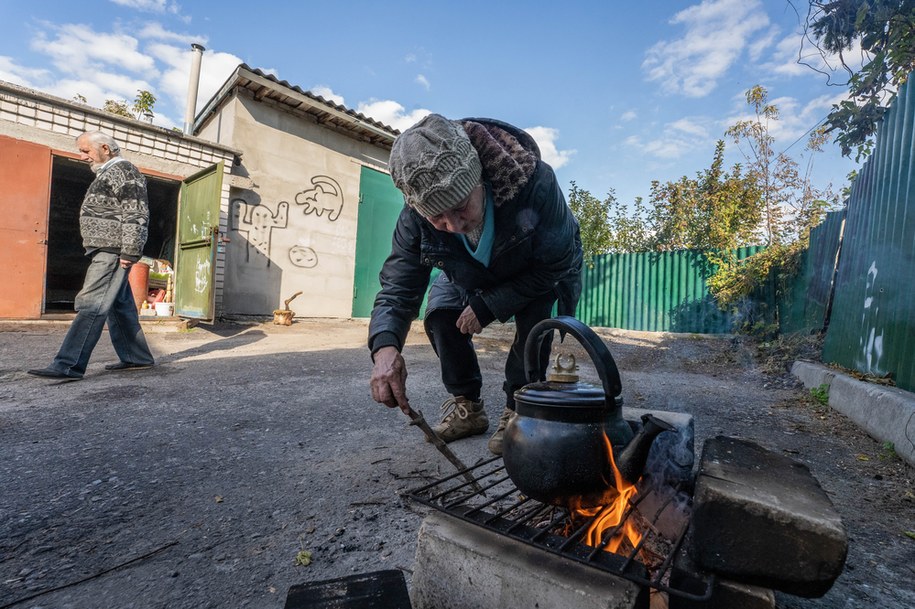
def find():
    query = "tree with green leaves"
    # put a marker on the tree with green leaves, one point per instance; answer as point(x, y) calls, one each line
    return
point(142, 106)
point(789, 205)
point(607, 227)
point(630, 229)
point(117, 107)
point(594, 221)
point(885, 31)
point(715, 210)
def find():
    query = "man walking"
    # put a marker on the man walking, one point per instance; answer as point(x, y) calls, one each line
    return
point(113, 222)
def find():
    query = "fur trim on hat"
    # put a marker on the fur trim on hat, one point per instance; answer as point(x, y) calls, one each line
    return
point(507, 163)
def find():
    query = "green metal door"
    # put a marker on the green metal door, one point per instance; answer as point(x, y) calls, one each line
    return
point(379, 206)
point(198, 229)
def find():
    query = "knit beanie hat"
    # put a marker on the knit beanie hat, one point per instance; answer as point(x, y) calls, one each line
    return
point(434, 164)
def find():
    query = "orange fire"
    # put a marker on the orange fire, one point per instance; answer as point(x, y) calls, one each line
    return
point(610, 515)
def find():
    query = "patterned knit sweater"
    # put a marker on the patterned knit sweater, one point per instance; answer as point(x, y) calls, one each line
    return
point(114, 216)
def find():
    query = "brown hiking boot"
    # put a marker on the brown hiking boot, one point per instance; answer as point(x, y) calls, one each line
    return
point(495, 442)
point(461, 418)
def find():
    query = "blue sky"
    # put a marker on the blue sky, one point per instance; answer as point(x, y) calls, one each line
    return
point(616, 93)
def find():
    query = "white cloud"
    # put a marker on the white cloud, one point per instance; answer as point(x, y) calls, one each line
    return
point(215, 68)
point(422, 80)
point(79, 49)
point(392, 113)
point(689, 127)
point(328, 94)
point(678, 139)
point(10, 71)
point(668, 148)
point(155, 31)
point(796, 56)
point(546, 139)
point(114, 65)
point(757, 47)
point(97, 65)
point(629, 116)
point(717, 33)
point(152, 6)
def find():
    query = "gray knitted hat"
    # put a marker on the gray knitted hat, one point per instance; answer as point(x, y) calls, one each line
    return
point(434, 164)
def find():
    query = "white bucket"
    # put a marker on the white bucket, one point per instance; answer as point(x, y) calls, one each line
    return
point(165, 309)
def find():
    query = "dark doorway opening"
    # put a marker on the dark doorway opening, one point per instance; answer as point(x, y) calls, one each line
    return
point(67, 262)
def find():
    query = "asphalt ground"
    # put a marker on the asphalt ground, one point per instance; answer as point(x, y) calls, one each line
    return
point(253, 449)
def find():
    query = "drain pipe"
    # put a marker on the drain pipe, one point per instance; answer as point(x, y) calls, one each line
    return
point(190, 110)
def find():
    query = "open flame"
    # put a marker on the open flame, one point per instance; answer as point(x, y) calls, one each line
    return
point(608, 517)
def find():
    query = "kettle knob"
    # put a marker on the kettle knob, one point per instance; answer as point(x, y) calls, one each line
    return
point(606, 367)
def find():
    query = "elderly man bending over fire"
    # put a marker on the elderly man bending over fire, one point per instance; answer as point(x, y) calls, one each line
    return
point(482, 207)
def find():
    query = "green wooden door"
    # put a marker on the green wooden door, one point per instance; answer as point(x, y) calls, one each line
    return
point(198, 229)
point(379, 205)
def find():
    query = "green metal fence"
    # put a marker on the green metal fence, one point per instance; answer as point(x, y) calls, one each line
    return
point(872, 325)
point(803, 307)
point(653, 291)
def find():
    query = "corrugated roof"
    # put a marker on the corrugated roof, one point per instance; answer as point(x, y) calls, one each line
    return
point(266, 86)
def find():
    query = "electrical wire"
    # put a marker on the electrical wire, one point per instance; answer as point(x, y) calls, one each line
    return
point(806, 133)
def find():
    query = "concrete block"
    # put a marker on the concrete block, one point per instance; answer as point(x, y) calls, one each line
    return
point(726, 594)
point(463, 566)
point(886, 413)
point(762, 518)
point(729, 594)
point(811, 374)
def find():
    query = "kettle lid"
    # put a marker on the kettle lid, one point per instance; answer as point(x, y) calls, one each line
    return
point(563, 389)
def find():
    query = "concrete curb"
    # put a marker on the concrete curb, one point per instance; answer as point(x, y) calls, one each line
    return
point(886, 413)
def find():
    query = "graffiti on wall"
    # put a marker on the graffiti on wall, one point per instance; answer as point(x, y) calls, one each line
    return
point(202, 276)
point(324, 196)
point(871, 343)
point(256, 222)
point(303, 256)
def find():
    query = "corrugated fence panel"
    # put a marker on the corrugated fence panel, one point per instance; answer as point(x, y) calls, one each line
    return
point(653, 291)
point(872, 327)
point(802, 308)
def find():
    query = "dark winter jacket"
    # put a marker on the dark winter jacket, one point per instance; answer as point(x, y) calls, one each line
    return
point(114, 216)
point(536, 250)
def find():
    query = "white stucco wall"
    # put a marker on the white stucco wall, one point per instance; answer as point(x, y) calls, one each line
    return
point(295, 228)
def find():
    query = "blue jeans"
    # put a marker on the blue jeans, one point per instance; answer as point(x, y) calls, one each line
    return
point(105, 296)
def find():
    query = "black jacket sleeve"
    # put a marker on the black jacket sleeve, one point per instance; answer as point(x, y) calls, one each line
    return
point(404, 280)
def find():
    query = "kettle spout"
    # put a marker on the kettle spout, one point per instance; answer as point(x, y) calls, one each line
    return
point(632, 459)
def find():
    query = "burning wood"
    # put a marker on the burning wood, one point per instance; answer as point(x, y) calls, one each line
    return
point(621, 527)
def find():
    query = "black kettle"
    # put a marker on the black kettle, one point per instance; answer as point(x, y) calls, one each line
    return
point(555, 448)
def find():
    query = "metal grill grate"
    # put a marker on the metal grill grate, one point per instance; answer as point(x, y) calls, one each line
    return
point(493, 502)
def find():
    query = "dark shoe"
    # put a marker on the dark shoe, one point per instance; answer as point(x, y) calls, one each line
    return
point(495, 442)
point(128, 366)
point(50, 373)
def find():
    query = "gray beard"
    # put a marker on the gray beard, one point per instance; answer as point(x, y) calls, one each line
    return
point(474, 235)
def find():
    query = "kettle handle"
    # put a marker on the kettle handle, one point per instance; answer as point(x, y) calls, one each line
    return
point(600, 355)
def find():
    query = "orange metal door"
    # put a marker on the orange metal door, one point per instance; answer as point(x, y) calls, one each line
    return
point(25, 183)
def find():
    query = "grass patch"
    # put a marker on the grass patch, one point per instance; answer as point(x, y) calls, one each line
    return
point(820, 394)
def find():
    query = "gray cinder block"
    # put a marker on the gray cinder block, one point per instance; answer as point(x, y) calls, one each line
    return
point(762, 518)
point(462, 566)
